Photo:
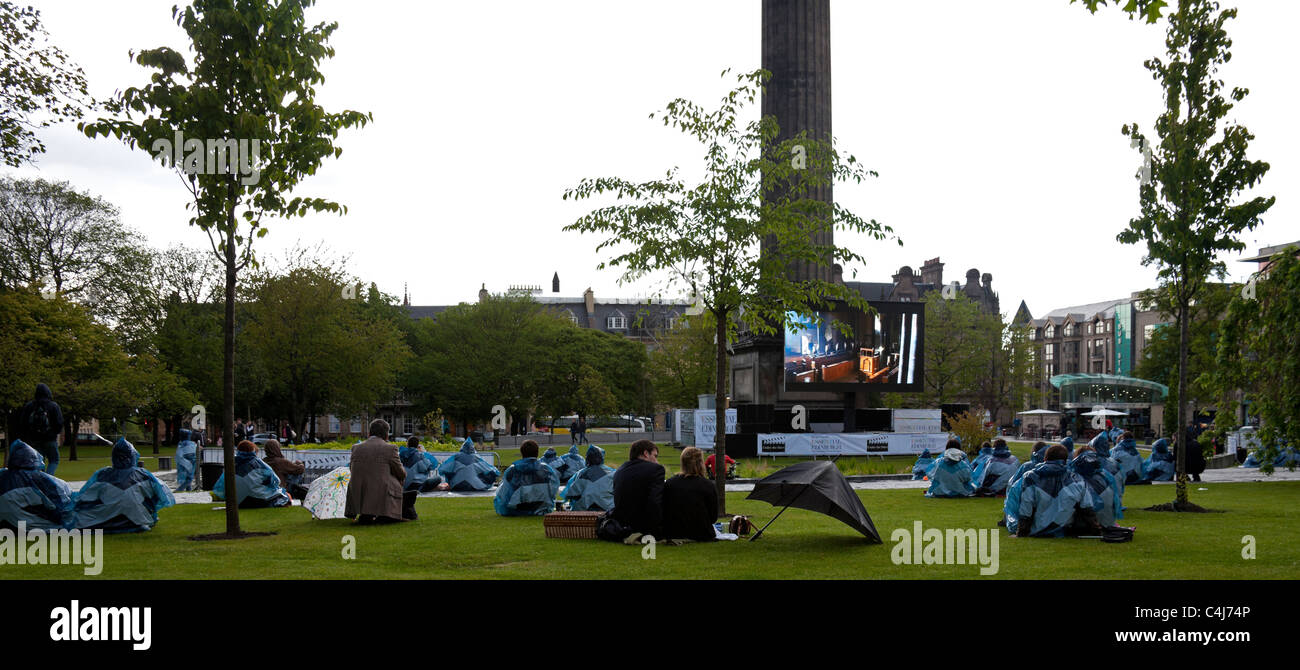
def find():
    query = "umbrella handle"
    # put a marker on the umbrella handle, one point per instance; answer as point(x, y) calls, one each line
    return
point(778, 514)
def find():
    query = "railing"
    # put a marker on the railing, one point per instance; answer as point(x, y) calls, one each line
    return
point(551, 439)
point(321, 461)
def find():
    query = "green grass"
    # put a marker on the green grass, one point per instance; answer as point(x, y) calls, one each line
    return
point(90, 459)
point(463, 539)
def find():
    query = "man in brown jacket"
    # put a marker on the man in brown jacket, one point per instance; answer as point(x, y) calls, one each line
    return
point(375, 491)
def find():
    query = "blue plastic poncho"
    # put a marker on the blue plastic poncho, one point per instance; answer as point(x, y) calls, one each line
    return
point(1160, 464)
point(1049, 496)
point(420, 466)
point(1284, 458)
point(528, 488)
point(1106, 492)
point(467, 471)
point(951, 477)
point(557, 464)
point(592, 488)
point(985, 453)
point(573, 462)
point(30, 495)
point(187, 452)
point(921, 469)
point(256, 483)
point(1035, 460)
point(122, 498)
point(994, 474)
point(1132, 468)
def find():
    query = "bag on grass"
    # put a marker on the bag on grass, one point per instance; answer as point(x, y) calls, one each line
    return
point(1116, 534)
point(611, 529)
point(740, 525)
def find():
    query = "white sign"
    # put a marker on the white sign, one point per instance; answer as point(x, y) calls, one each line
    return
point(849, 444)
point(705, 426)
point(917, 420)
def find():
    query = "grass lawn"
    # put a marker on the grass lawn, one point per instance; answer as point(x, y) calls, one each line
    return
point(464, 539)
point(90, 459)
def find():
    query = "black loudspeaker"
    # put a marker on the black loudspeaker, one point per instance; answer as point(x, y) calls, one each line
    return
point(742, 446)
point(874, 420)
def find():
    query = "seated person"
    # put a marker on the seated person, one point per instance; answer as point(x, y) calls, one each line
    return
point(993, 475)
point(467, 471)
point(1105, 490)
point(1132, 469)
point(985, 453)
point(375, 490)
point(557, 464)
point(1285, 457)
point(639, 490)
point(592, 488)
point(1054, 501)
point(256, 484)
point(29, 495)
point(573, 462)
point(289, 472)
point(421, 467)
point(951, 477)
point(1160, 464)
point(121, 498)
point(690, 501)
point(731, 466)
point(187, 453)
point(921, 469)
point(529, 487)
point(1035, 460)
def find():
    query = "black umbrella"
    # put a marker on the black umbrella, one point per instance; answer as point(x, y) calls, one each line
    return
point(817, 486)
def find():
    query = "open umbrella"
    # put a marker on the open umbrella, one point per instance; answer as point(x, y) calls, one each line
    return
point(1104, 412)
point(817, 486)
point(328, 494)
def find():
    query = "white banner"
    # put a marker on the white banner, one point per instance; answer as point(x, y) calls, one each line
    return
point(917, 420)
point(849, 444)
point(705, 426)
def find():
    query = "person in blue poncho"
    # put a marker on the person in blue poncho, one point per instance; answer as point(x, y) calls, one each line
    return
point(29, 495)
point(1285, 458)
point(1035, 459)
point(985, 453)
point(1054, 501)
point(121, 498)
point(1100, 445)
point(951, 477)
point(187, 452)
point(557, 464)
point(421, 467)
point(592, 488)
point(1011, 508)
point(256, 484)
point(1107, 504)
point(573, 461)
point(1160, 464)
point(528, 487)
point(921, 469)
point(1132, 469)
point(994, 474)
point(467, 471)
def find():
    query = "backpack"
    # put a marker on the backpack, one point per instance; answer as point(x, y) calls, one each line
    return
point(740, 525)
point(611, 529)
point(38, 421)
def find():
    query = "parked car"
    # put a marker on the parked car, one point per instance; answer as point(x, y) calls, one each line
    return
point(93, 439)
point(261, 438)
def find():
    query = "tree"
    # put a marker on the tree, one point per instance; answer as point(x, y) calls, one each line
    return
point(960, 343)
point(1257, 354)
point(1010, 381)
point(251, 88)
point(683, 365)
point(38, 84)
point(1160, 354)
point(593, 396)
point(1196, 171)
point(709, 237)
point(1149, 10)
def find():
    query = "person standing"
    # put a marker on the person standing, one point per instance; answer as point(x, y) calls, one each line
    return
point(573, 432)
point(582, 431)
point(41, 424)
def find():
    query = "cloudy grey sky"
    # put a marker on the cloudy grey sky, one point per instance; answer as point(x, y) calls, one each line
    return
point(994, 125)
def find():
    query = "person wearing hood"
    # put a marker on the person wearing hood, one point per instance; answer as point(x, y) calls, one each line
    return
point(993, 475)
point(1132, 469)
point(1160, 464)
point(467, 471)
point(1100, 445)
point(1053, 500)
point(690, 501)
point(40, 423)
point(985, 453)
point(1106, 493)
point(573, 462)
point(951, 477)
point(921, 468)
point(592, 488)
point(557, 464)
point(421, 467)
point(289, 472)
point(256, 484)
point(1011, 508)
point(1193, 457)
point(187, 453)
point(31, 495)
point(1035, 460)
point(529, 486)
point(121, 498)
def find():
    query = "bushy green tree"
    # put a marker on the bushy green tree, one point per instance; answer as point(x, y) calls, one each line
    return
point(39, 84)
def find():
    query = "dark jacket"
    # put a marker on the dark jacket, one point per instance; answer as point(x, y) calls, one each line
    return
point(638, 496)
point(284, 468)
point(53, 418)
point(690, 508)
point(1194, 459)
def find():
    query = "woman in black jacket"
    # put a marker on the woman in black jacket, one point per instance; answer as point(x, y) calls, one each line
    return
point(690, 501)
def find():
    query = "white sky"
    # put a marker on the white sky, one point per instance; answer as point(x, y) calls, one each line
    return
point(994, 125)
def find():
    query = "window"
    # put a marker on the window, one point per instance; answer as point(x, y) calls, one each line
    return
point(1049, 332)
point(1148, 332)
point(356, 425)
point(1033, 333)
point(1069, 329)
point(1049, 352)
point(618, 322)
point(1090, 329)
point(572, 317)
point(1108, 326)
point(335, 425)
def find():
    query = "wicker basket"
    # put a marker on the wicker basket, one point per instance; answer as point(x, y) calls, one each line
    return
point(571, 525)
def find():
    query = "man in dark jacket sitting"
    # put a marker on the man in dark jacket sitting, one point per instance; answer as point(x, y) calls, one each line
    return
point(639, 490)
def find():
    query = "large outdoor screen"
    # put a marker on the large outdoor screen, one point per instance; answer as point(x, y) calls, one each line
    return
point(883, 352)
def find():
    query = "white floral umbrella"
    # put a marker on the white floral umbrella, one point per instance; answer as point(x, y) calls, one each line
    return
point(328, 494)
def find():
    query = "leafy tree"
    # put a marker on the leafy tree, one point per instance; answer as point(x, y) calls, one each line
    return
point(683, 364)
point(1011, 378)
point(620, 362)
point(1149, 10)
point(39, 85)
point(253, 80)
point(960, 342)
point(731, 238)
point(1160, 355)
point(593, 397)
point(1197, 170)
point(970, 429)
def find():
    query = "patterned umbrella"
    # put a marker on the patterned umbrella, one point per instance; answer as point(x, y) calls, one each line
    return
point(328, 494)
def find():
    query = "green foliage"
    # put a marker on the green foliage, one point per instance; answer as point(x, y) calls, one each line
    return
point(39, 85)
point(1160, 355)
point(969, 427)
point(684, 363)
point(1149, 10)
point(593, 396)
point(1189, 214)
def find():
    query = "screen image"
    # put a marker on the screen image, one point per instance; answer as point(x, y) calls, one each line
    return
point(883, 351)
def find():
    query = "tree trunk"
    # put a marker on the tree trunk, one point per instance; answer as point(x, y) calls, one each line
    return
point(1180, 434)
point(720, 416)
point(228, 374)
point(71, 429)
point(156, 437)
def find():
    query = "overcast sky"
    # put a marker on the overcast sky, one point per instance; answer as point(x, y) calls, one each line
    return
point(994, 125)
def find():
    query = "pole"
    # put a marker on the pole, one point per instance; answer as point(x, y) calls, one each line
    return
point(778, 514)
